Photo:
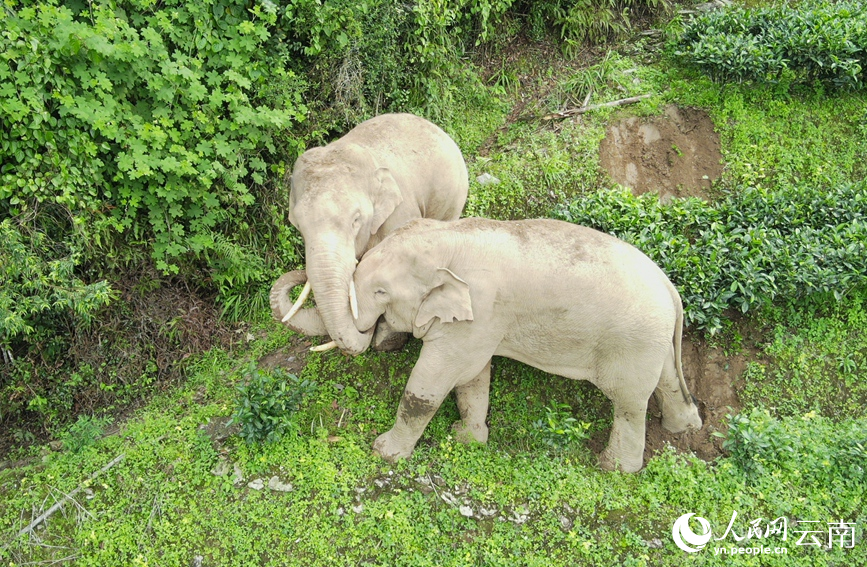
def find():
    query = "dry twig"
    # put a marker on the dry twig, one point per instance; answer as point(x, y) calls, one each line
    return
point(582, 109)
point(45, 515)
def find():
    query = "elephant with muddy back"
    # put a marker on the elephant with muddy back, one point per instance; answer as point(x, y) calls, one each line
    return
point(563, 298)
point(346, 197)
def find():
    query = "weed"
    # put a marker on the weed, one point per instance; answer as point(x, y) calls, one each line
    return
point(558, 428)
point(84, 433)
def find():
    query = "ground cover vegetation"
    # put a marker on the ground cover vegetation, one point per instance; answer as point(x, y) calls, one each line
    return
point(134, 101)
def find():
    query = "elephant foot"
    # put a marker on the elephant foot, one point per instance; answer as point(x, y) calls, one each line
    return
point(389, 343)
point(391, 449)
point(477, 433)
point(685, 419)
point(610, 462)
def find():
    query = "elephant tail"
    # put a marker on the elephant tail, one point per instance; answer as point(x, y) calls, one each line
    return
point(678, 340)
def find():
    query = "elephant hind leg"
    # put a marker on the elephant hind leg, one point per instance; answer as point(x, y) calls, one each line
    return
point(678, 415)
point(473, 400)
point(625, 450)
point(629, 385)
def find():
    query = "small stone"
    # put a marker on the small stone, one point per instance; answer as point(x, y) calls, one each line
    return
point(358, 509)
point(88, 494)
point(256, 484)
point(565, 523)
point(487, 512)
point(275, 484)
point(487, 179)
point(466, 511)
point(654, 543)
point(222, 468)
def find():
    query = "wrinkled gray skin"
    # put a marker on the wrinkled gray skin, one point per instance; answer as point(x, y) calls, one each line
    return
point(563, 298)
point(346, 196)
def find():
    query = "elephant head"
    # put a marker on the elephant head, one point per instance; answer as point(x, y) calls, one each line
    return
point(339, 200)
point(410, 288)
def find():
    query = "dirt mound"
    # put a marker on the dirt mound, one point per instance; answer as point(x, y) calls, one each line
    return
point(675, 154)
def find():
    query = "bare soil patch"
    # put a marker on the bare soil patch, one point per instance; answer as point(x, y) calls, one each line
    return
point(674, 154)
point(713, 379)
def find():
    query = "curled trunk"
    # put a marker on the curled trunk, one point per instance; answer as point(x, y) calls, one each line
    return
point(330, 272)
point(306, 321)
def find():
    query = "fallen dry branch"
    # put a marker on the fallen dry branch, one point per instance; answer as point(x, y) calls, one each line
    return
point(57, 506)
point(582, 109)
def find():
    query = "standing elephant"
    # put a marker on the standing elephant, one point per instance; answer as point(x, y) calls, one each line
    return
point(566, 299)
point(346, 196)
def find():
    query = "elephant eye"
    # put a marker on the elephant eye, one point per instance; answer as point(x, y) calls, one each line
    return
point(380, 292)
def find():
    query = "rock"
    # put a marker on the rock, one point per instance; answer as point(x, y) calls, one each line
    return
point(358, 509)
point(275, 484)
point(256, 484)
point(466, 511)
point(487, 179)
point(565, 523)
point(654, 543)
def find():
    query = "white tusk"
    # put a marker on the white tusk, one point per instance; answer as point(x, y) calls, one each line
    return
point(353, 300)
point(323, 348)
point(297, 306)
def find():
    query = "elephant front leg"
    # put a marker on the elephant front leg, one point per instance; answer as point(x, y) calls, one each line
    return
point(473, 400)
point(439, 369)
point(413, 414)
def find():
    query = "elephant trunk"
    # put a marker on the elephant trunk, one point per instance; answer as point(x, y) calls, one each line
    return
point(331, 275)
point(305, 321)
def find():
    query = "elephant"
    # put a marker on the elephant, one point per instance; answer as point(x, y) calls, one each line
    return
point(347, 196)
point(563, 298)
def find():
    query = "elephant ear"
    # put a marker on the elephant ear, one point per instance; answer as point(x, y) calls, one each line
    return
point(386, 197)
point(449, 300)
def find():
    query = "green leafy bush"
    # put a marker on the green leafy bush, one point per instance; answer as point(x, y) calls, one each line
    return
point(151, 123)
point(818, 41)
point(744, 251)
point(816, 448)
point(39, 289)
point(267, 402)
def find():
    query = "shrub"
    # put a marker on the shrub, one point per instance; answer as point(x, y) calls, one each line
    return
point(818, 449)
point(817, 41)
point(39, 290)
point(267, 402)
point(745, 251)
point(155, 123)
